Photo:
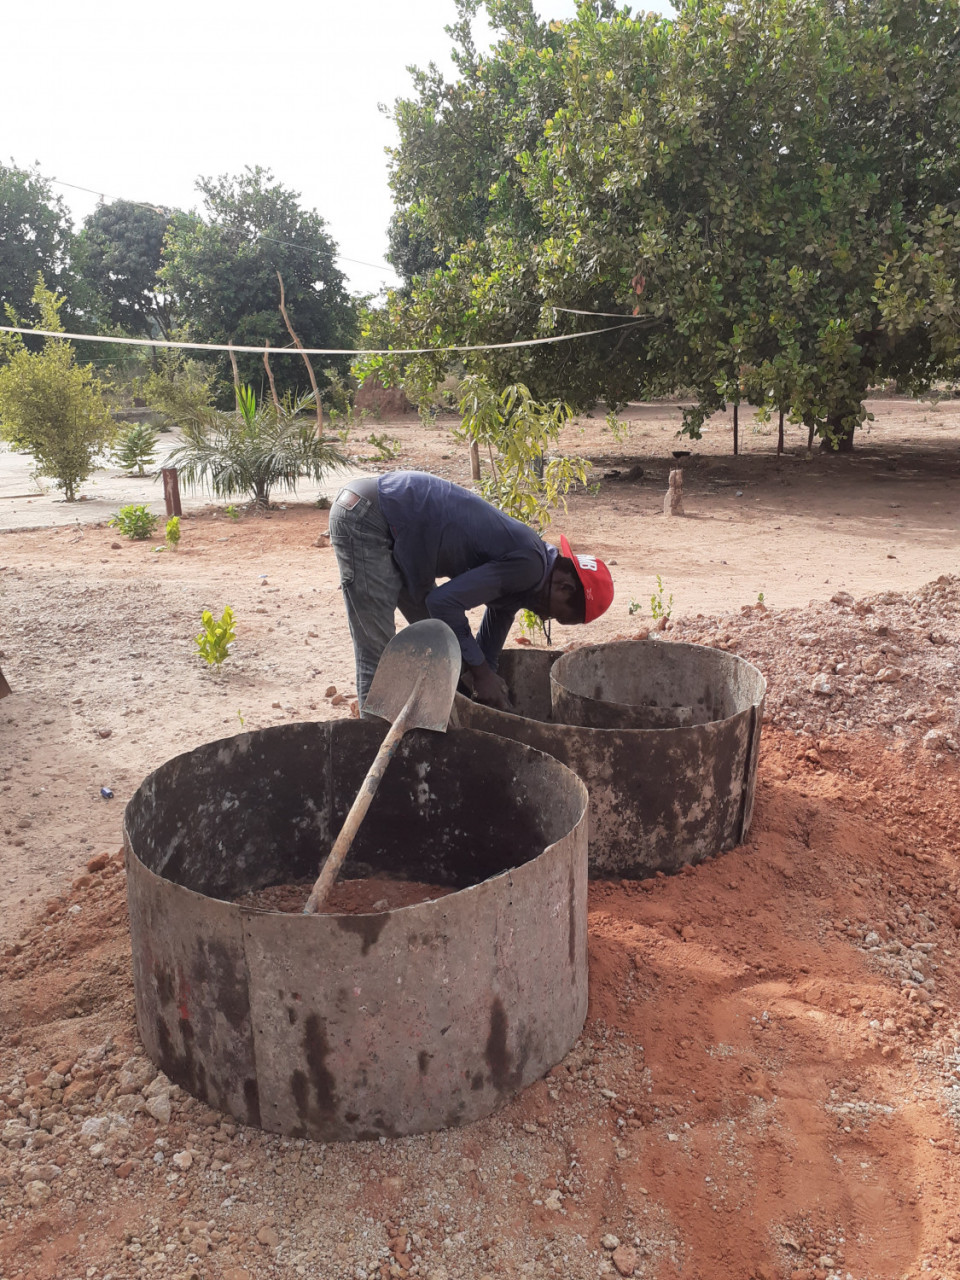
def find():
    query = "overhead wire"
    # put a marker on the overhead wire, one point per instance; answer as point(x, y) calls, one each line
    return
point(311, 351)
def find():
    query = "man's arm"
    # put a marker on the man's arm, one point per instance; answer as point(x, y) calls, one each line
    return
point(488, 582)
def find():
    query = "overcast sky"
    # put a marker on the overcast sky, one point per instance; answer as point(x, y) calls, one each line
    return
point(136, 100)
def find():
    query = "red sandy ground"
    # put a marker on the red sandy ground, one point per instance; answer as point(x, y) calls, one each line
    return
point(766, 1087)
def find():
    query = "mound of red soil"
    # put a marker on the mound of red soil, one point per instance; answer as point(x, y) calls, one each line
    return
point(768, 1084)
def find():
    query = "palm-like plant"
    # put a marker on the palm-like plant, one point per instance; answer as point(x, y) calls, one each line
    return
point(255, 449)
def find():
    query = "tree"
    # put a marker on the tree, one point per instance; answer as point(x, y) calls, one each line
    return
point(35, 236)
point(221, 271)
point(49, 405)
point(119, 252)
point(756, 181)
point(260, 446)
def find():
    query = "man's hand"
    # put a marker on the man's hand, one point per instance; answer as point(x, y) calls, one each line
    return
point(490, 689)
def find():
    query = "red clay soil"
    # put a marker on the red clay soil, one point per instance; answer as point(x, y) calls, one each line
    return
point(768, 1084)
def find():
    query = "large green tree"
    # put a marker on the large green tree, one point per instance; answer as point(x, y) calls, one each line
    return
point(119, 252)
point(765, 184)
point(221, 271)
point(35, 236)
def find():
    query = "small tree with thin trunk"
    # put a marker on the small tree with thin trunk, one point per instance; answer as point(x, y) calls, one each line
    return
point(50, 406)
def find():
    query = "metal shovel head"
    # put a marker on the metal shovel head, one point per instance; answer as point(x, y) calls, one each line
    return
point(428, 649)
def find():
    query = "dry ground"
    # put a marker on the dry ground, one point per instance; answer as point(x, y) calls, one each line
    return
point(767, 1085)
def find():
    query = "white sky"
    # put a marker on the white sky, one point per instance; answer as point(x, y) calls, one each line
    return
point(137, 100)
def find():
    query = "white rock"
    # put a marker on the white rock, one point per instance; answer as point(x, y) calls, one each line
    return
point(183, 1160)
point(610, 1241)
point(821, 683)
point(160, 1108)
point(95, 1127)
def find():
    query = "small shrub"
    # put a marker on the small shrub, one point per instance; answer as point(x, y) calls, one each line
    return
point(387, 448)
point(232, 512)
point(659, 609)
point(217, 636)
point(135, 522)
point(173, 532)
point(134, 449)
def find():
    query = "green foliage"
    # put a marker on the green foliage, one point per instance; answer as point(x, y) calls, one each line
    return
point(221, 271)
point(387, 447)
point(255, 449)
point(769, 187)
point(531, 624)
point(216, 638)
point(119, 252)
point(619, 430)
point(135, 521)
point(179, 388)
point(658, 607)
point(134, 447)
point(516, 431)
point(172, 532)
point(50, 406)
point(35, 239)
point(231, 512)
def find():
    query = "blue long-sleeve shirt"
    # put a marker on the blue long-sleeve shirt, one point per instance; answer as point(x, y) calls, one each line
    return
point(443, 531)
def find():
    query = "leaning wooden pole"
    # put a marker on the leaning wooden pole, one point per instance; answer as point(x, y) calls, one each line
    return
point(273, 385)
point(306, 358)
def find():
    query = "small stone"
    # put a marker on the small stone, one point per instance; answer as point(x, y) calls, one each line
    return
point(888, 675)
point(36, 1193)
point(183, 1160)
point(114, 546)
point(98, 863)
point(42, 1173)
point(825, 1260)
point(821, 683)
point(268, 1236)
point(160, 1108)
point(124, 1169)
point(625, 1260)
point(553, 1202)
point(933, 740)
point(337, 700)
point(610, 1241)
point(79, 1091)
point(104, 733)
point(330, 691)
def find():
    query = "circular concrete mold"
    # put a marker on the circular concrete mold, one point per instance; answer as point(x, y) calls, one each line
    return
point(341, 1027)
point(666, 736)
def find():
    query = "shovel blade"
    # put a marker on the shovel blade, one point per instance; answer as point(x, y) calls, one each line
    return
point(427, 649)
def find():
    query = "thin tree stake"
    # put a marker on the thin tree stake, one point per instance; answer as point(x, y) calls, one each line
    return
point(236, 377)
point(273, 385)
point(306, 358)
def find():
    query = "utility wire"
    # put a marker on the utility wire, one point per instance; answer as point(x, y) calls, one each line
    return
point(312, 351)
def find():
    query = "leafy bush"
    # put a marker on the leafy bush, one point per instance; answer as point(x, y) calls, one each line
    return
point(134, 448)
point(173, 532)
point(50, 406)
point(217, 636)
point(135, 522)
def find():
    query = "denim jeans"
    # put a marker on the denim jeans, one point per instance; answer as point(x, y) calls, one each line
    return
point(370, 581)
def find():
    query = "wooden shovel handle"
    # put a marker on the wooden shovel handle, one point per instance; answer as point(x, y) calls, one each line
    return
point(368, 789)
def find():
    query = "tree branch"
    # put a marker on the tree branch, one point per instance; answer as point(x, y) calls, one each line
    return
point(306, 358)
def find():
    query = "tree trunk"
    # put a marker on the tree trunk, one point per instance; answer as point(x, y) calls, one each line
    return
point(842, 435)
point(736, 429)
point(780, 435)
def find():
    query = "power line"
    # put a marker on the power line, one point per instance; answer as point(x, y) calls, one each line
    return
point(313, 351)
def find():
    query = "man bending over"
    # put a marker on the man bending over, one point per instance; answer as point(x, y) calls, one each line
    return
point(395, 535)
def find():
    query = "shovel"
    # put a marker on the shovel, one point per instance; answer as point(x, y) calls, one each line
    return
point(413, 688)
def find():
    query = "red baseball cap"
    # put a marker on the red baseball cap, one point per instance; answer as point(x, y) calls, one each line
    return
point(596, 579)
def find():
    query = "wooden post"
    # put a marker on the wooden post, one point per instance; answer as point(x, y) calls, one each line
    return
point(736, 429)
point(780, 435)
point(171, 491)
point(474, 460)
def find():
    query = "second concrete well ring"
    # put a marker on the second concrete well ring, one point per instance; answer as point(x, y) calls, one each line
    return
point(666, 736)
point(358, 1026)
